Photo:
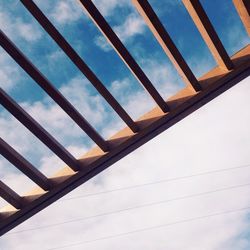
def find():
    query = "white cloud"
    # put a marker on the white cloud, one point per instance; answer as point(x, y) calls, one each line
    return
point(66, 11)
point(138, 104)
point(9, 72)
point(27, 31)
point(119, 87)
point(16, 28)
point(79, 93)
point(131, 96)
point(163, 76)
point(107, 7)
point(132, 26)
point(102, 43)
point(56, 55)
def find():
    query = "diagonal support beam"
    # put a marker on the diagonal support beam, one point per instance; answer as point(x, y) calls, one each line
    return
point(44, 83)
point(208, 33)
point(167, 44)
point(38, 130)
point(23, 165)
point(10, 196)
point(243, 9)
point(78, 61)
point(122, 51)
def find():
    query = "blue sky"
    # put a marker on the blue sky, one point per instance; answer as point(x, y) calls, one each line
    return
point(78, 29)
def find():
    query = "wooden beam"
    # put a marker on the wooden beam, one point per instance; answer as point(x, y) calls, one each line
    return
point(78, 61)
point(122, 51)
point(23, 165)
point(243, 9)
point(38, 130)
point(166, 43)
point(208, 33)
point(44, 83)
point(10, 196)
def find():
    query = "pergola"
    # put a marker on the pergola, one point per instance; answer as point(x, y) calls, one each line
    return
point(228, 72)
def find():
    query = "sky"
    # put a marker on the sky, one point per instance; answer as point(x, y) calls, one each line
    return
point(158, 193)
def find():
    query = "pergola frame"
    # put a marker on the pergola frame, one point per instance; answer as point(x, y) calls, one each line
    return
point(198, 92)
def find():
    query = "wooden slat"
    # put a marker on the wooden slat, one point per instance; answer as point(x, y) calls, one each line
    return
point(44, 83)
point(23, 165)
point(243, 9)
point(122, 51)
point(37, 130)
point(208, 33)
point(10, 196)
point(164, 39)
point(78, 61)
